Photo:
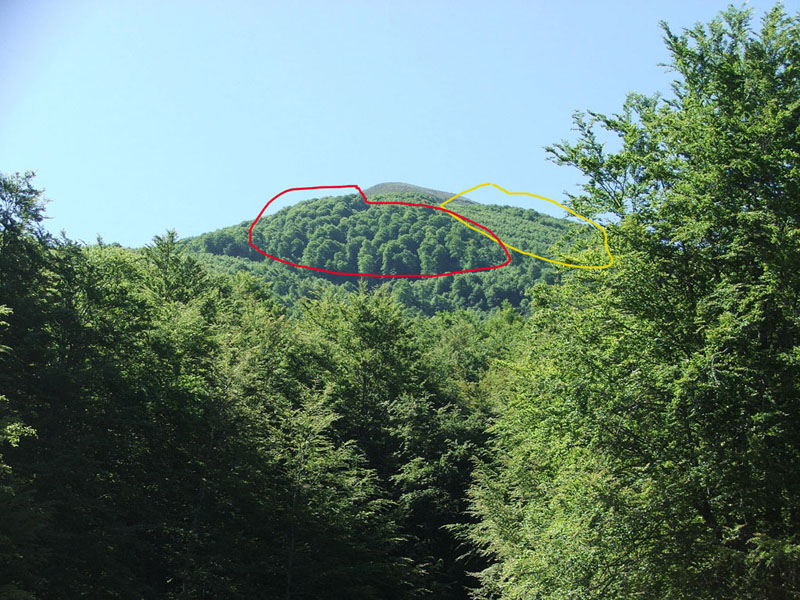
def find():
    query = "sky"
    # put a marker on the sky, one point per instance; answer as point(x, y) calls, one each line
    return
point(141, 116)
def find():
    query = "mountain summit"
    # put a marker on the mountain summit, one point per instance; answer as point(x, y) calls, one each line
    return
point(397, 187)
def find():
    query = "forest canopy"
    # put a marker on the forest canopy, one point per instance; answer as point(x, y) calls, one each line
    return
point(347, 235)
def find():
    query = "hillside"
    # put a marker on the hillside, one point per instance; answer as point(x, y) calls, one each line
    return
point(344, 234)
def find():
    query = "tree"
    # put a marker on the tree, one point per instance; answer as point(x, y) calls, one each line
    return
point(20, 522)
point(21, 209)
point(367, 258)
point(175, 276)
point(338, 531)
point(433, 256)
point(649, 433)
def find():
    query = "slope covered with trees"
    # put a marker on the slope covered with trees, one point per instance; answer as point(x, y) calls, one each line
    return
point(347, 235)
point(171, 431)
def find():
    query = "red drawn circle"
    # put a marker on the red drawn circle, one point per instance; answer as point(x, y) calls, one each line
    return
point(337, 187)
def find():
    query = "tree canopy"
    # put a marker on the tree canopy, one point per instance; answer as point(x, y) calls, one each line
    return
point(347, 235)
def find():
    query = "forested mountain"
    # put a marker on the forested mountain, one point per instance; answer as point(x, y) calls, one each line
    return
point(347, 235)
point(171, 431)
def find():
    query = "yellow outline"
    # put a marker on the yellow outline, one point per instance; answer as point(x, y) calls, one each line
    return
point(600, 227)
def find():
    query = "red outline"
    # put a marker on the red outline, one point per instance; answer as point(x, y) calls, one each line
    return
point(329, 187)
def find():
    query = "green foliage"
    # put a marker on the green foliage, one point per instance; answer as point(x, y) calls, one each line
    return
point(645, 442)
point(171, 433)
point(344, 234)
point(189, 421)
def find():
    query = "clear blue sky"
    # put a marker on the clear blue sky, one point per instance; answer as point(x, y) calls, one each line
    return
point(145, 115)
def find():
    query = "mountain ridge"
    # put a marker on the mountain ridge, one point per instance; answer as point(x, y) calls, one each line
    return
point(394, 187)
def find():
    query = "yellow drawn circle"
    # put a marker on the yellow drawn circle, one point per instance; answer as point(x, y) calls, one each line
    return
point(600, 227)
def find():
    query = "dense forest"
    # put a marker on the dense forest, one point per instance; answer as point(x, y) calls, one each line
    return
point(176, 422)
point(347, 235)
